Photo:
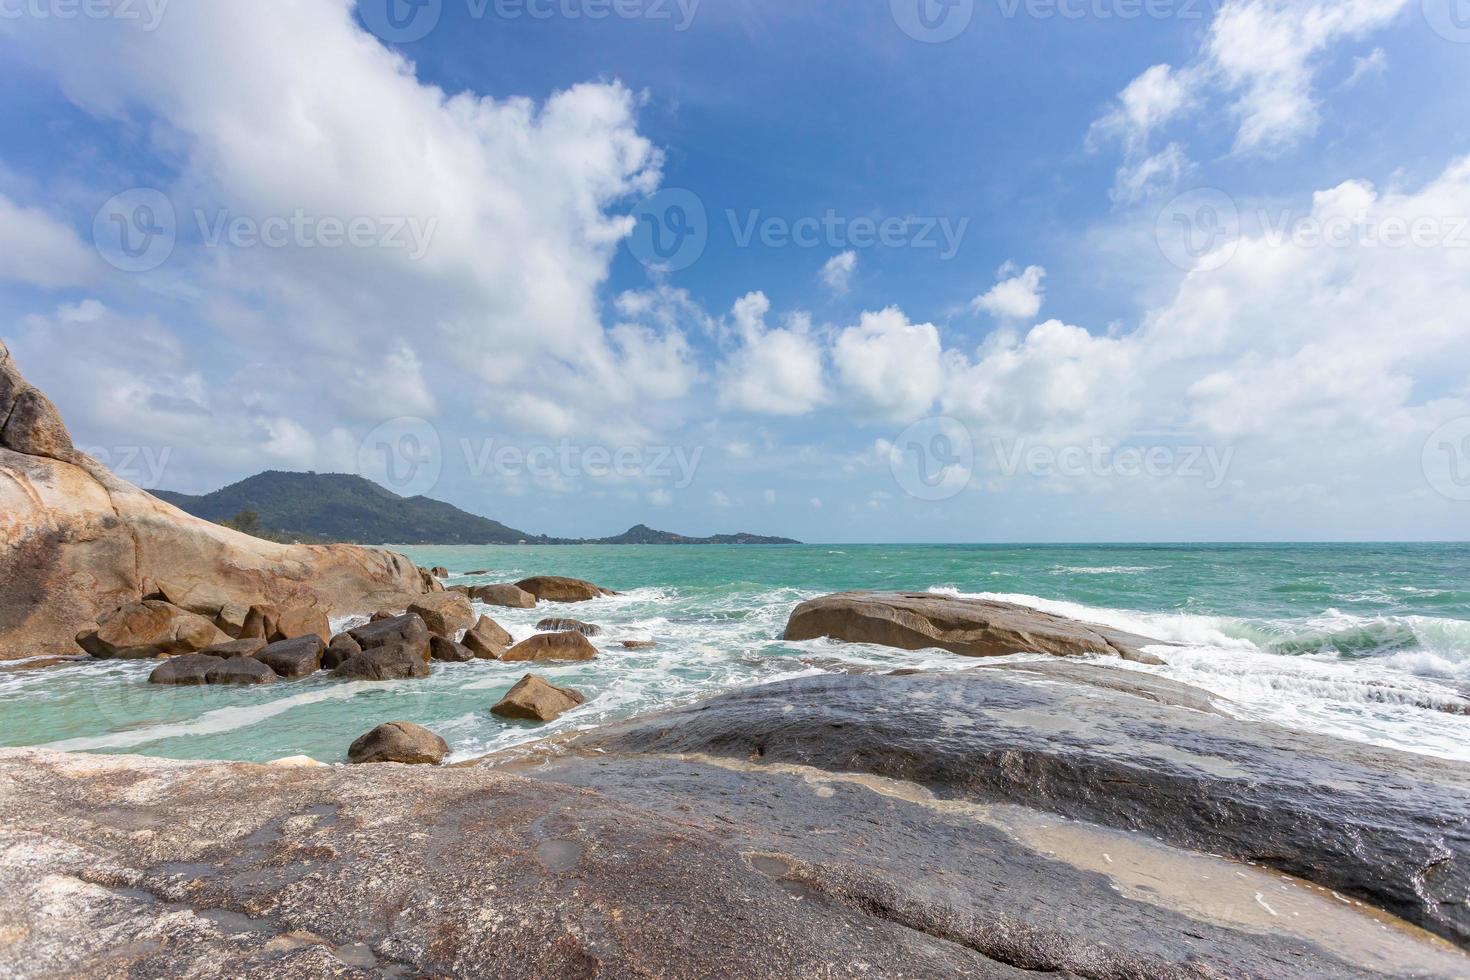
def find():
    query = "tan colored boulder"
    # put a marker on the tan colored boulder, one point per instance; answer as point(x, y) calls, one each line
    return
point(152, 628)
point(969, 627)
point(552, 646)
point(302, 621)
point(439, 571)
point(509, 596)
point(399, 741)
point(488, 639)
point(445, 613)
point(231, 617)
point(235, 648)
point(533, 699)
point(260, 623)
point(639, 644)
point(554, 588)
point(76, 543)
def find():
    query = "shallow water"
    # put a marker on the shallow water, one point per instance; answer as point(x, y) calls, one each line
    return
point(1370, 642)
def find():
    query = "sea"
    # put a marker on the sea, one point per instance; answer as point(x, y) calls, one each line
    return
point(1366, 642)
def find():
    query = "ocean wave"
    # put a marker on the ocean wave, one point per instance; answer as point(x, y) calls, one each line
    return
point(1104, 569)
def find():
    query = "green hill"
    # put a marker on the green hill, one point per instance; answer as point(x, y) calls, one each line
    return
point(340, 507)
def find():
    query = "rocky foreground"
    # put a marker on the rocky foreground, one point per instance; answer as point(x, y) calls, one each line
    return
point(1054, 818)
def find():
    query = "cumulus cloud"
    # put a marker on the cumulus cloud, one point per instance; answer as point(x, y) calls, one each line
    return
point(1016, 298)
point(837, 273)
point(888, 367)
point(772, 371)
point(39, 250)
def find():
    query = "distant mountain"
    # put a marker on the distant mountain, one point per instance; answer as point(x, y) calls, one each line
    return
point(345, 508)
point(643, 534)
point(340, 507)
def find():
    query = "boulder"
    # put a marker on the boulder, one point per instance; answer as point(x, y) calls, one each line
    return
point(294, 659)
point(639, 644)
point(445, 649)
point(396, 660)
point(533, 699)
point(554, 588)
point(488, 639)
point(231, 618)
point(509, 596)
point(428, 582)
point(300, 621)
point(439, 571)
point(342, 647)
point(568, 626)
point(194, 669)
point(236, 648)
point(551, 646)
point(399, 741)
point(445, 613)
point(151, 628)
point(408, 628)
point(969, 627)
point(261, 622)
point(76, 543)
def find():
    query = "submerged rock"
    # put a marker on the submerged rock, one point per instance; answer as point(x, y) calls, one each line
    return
point(970, 627)
point(534, 699)
point(510, 596)
point(399, 741)
point(554, 588)
point(569, 626)
point(152, 628)
point(551, 646)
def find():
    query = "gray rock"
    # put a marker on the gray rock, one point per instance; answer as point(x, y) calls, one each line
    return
point(970, 627)
point(394, 661)
point(569, 626)
point(342, 647)
point(294, 659)
point(236, 648)
point(192, 670)
point(442, 648)
point(399, 741)
point(407, 628)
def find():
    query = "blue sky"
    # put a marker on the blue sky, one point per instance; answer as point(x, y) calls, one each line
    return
point(1034, 354)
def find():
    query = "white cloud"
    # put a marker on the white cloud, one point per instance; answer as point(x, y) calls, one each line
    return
point(39, 250)
point(1373, 63)
point(838, 272)
point(772, 371)
point(719, 498)
point(888, 367)
point(1016, 298)
point(660, 498)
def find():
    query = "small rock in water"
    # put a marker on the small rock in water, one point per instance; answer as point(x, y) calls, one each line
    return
point(342, 647)
point(568, 626)
point(554, 588)
point(445, 649)
point(236, 648)
point(534, 699)
point(407, 628)
point(639, 644)
point(552, 646)
point(194, 670)
point(394, 661)
point(439, 571)
point(488, 639)
point(399, 741)
point(445, 613)
point(509, 596)
point(294, 659)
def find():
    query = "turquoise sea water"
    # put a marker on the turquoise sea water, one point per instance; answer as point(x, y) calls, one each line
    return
point(1370, 642)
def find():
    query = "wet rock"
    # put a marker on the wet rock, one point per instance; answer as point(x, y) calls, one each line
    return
point(152, 628)
point(969, 627)
point(408, 628)
point(445, 614)
point(194, 669)
point(439, 571)
point(551, 646)
point(488, 639)
point(42, 663)
point(445, 649)
point(236, 648)
point(568, 626)
point(399, 741)
point(396, 660)
point(294, 659)
point(534, 699)
point(638, 644)
point(340, 649)
point(554, 588)
point(509, 596)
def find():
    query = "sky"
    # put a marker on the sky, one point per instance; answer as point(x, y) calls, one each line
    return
point(842, 270)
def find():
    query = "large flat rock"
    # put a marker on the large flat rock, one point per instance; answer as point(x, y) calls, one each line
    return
point(970, 627)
